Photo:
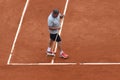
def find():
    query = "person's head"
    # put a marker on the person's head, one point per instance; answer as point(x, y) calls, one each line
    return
point(55, 13)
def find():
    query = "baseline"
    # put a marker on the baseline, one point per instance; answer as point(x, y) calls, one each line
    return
point(41, 64)
point(98, 64)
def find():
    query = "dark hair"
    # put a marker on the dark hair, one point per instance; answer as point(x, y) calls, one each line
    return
point(55, 11)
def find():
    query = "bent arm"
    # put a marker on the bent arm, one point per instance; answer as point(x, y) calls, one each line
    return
point(54, 28)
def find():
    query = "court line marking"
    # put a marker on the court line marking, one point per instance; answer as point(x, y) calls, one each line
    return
point(63, 64)
point(41, 64)
point(18, 31)
point(98, 64)
point(64, 13)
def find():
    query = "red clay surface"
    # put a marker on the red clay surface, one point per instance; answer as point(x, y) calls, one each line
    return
point(90, 34)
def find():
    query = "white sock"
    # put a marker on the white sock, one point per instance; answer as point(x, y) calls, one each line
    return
point(48, 49)
point(61, 52)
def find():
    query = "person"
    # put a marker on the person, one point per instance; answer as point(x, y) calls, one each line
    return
point(54, 26)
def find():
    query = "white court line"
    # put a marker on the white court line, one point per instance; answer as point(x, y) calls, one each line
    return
point(17, 33)
point(42, 64)
point(95, 64)
point(64, 13)
point(63, 64)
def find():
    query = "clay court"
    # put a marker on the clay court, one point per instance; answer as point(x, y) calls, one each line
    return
point(90, 36)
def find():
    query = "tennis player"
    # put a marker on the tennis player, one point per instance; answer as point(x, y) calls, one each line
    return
point(54, 27)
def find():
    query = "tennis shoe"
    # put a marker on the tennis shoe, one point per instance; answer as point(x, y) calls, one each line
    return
point(50, 53)
point(64, 55)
